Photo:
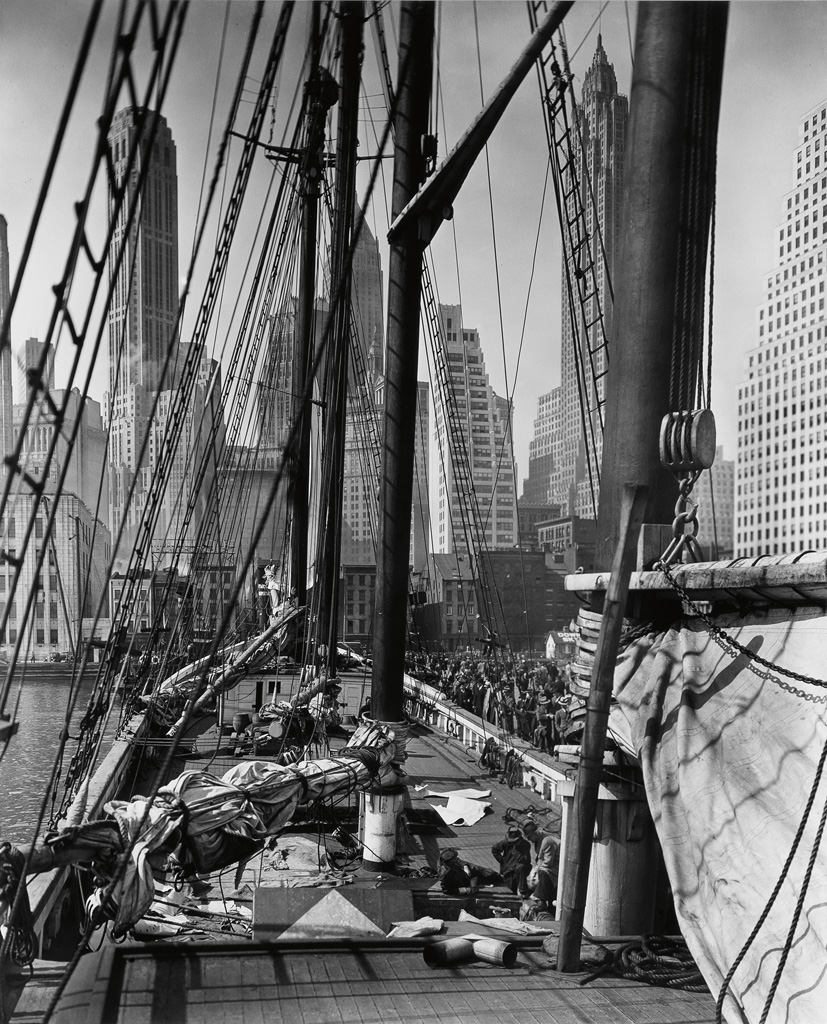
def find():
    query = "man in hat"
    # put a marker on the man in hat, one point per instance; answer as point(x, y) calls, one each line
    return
point(455, 874)
point(514, 857)
point(543, 726)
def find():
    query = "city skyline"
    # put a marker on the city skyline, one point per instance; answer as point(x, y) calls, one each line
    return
point(758, 98)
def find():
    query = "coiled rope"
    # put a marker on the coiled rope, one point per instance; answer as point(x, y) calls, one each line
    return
point(654, 960)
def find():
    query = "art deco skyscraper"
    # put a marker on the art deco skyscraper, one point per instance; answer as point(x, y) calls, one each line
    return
point(145, 300)
point(142, 315)
point(484, 423)
point(781, 473)
point(559, 459)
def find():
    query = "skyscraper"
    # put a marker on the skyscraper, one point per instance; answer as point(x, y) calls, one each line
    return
point(484, 426)
point(715, 494)
point(142, 315)
point(142, 326)
point(563, 449)
point(367, 301)
point(781, 475)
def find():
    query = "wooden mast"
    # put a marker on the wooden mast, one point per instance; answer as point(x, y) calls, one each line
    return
point(321, 92)
point(661, 128)
point(401, 365)
point(351, 14)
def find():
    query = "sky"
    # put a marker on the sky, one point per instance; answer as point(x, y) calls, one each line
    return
point(774, 73)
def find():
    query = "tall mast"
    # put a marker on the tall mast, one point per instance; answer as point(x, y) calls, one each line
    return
point(351, 16)
point(321, 92)
point(678, 57)
point(402, 357)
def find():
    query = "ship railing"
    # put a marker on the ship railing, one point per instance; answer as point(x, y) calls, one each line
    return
point(430, 706)
point(48, 891)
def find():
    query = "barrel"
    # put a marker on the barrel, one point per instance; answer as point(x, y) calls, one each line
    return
point(240, 721)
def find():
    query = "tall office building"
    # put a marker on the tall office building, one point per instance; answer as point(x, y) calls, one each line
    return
point(421, 513)
point(540, 482)
point(142, 315)
point(367, 301)
point(562, 451)
point(145, 358)
point(715, 494)
point(781, 482)
point(274, 393)
point(6, 398)
point(365, 369)
point(485, 429)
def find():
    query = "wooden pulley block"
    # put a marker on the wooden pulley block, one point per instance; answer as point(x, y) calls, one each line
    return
point(687, 440)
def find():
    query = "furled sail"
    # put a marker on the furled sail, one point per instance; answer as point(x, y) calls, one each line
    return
point(200, 823)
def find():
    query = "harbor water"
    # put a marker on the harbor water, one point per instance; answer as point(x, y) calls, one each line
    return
point(38, 704)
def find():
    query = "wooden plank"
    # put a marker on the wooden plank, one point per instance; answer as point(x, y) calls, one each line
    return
point(577, 855)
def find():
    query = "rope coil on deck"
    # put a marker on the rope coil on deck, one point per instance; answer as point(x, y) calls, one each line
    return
point(654, 960)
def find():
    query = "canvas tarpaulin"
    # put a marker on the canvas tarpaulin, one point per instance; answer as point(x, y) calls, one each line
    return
point(729, 758)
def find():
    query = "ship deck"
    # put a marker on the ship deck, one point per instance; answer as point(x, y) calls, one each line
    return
point(218, 976)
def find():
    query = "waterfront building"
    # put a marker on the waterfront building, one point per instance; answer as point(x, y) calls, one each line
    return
point(781, 485)
point(482, 440)
point(530, 516)
point(454, 595)
point(71, 583)
point(517, 607)
point(569, 542)
point(563, 451)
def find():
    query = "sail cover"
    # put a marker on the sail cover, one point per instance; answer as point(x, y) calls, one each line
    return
point(730, 753)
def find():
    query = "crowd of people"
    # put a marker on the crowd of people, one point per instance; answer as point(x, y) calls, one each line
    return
point(523, 698)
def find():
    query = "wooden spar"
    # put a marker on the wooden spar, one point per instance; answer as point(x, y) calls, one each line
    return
point(336, 364)
point(638, 387)
point(579, 849)
point(428, 207)
point(402, 357)
point(311, 166)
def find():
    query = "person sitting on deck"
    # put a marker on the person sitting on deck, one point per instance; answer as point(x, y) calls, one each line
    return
point(546, 870)
point(514, 857)
point(455, 874)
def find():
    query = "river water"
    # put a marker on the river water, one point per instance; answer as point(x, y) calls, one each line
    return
point(26, 763)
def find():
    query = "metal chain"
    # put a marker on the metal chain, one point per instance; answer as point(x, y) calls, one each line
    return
point(732, 647)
